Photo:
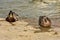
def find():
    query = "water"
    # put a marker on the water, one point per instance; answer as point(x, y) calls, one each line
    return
point(26, 8)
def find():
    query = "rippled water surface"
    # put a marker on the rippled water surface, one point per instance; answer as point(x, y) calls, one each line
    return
point(26, 8)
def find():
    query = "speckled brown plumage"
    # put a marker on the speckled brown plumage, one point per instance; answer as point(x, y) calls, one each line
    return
point(44, 22)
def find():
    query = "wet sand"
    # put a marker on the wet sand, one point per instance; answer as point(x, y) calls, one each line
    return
point(21, 31)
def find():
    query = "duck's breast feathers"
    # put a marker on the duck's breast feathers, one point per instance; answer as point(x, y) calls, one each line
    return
point(10, 19)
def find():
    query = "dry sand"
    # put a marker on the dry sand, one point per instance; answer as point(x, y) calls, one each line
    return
point(21, 31)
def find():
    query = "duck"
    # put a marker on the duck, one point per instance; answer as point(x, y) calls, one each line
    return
point(11, 17)
point(44, 22)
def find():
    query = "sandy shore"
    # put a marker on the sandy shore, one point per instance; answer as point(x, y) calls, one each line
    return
point(21, 31)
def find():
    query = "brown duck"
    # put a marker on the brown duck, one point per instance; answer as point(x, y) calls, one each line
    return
point(11, 17)
point(44, 22)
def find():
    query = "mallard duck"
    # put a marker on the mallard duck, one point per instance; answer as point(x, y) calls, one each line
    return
point(44, 21)
point(10, 17)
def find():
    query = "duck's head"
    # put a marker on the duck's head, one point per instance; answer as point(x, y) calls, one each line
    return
point(10, 14)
